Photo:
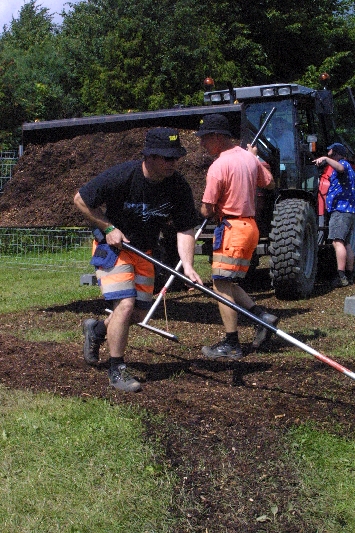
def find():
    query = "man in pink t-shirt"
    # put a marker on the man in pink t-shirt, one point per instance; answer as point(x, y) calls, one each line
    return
point(229, 198)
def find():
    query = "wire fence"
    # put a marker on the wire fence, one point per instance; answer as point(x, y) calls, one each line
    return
point(46, 248)
point(8, 160)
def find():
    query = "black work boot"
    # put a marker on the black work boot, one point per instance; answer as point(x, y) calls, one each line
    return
point(92, 342)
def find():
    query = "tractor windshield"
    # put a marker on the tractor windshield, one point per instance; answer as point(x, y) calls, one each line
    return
point(280, 132)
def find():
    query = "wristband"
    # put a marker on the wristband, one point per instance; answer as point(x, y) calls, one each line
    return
point(109, 229)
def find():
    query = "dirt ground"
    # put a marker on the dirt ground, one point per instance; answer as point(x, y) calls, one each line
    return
point(225, 422)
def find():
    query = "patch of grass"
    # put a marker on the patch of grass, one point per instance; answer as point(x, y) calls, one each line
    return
point(25, 289)
point(327, 469)
point(73, 466)
point(53, 335)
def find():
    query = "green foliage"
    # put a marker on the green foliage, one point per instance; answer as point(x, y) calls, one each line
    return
point(111, 56)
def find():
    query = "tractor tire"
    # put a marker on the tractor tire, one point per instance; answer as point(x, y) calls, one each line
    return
point(293, 249)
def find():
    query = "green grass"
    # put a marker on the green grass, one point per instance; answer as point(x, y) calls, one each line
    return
point(327, 467)
point(73, 466)
point(23, 289)
point(68, 465)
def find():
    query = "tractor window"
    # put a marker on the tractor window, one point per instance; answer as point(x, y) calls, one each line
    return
point(281, 133)
point(280, 130)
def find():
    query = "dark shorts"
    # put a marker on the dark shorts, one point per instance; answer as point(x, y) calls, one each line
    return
point(341, 226)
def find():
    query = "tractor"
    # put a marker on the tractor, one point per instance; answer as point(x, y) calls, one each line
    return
point(294, 125)
point(305, 121)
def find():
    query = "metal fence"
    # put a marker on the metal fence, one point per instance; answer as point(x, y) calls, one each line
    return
point(8, 160)
point(46, 248)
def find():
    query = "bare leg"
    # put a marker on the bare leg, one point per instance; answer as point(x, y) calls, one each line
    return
point(340, 252)
point(233, 293)
point(118, 323)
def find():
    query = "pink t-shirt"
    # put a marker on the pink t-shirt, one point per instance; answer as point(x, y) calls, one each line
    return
point(232, 181)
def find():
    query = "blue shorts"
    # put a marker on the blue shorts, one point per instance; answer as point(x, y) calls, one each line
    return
point(341, 226)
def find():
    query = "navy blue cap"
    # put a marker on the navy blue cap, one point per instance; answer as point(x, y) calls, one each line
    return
point(338, 148)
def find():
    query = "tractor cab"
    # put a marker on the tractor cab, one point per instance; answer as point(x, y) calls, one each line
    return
point(304, 122)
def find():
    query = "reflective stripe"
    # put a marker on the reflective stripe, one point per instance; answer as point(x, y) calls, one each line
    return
point(121, 269)
point(144, 296)
point(113, 287)
point(143, 280)
point(231, 274)
point(219, 258)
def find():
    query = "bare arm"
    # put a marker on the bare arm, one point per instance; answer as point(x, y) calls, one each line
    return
point(271, 185)
point(331, 162)
point(186, 249)
point(254, 151)
point(99, 220)
point(207, 210)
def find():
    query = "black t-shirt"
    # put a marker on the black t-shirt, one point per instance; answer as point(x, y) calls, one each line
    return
point(138, 207)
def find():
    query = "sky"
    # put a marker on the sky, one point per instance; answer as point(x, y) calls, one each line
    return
point(11, 8)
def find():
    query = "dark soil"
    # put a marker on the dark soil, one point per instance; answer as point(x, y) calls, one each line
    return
point(225, 422)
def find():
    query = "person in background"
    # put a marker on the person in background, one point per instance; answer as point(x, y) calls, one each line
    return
point(139, 198)
point(229, 198)
point(283, 136)
point(340, 203)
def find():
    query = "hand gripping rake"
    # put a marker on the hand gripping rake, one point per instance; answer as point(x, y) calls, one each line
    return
point(162, 293)
point(239, 309)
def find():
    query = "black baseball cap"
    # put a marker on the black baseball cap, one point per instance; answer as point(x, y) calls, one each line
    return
point(215, 123)
point(164, 142)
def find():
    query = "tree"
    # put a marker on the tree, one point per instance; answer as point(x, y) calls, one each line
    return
point(32, 72)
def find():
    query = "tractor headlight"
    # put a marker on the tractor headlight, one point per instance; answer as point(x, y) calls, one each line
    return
point(268, 92)
point(282, 91)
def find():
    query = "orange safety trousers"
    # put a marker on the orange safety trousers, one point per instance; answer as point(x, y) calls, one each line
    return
point(232, 259)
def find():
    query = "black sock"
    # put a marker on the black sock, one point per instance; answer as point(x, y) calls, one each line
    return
point(341, 273)
point(232, 338)
point(100, 329)
point(115, 362)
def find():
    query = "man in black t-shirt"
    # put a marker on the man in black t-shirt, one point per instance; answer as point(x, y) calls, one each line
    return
point(131, 202)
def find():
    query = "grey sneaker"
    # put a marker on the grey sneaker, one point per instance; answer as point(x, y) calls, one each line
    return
point(350, 276)
point(92, 342)
point(340, 282)
point(262, 334)
point(122, 379)
point(223, 349)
